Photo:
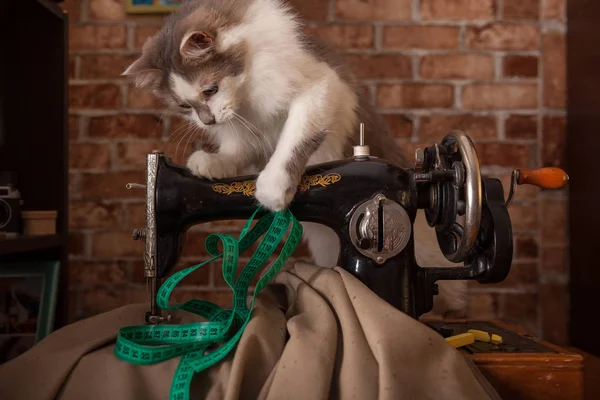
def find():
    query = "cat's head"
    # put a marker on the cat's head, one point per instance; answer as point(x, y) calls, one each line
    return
point(194, 66)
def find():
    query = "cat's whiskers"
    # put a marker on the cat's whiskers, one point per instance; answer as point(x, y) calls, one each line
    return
point(192, 136)
point(187, 125)
point(247, 121)
point(259, 139)
point(188, 131)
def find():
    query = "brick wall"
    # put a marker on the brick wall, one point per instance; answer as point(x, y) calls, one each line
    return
point(495, 68)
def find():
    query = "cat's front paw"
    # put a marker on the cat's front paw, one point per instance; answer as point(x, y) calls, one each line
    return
point(275, 189)
point(211, 166)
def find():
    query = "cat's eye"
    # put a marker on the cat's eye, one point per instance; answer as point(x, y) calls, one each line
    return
point(211, 90)
point(183, 105)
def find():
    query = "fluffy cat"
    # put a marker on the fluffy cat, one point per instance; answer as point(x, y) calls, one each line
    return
point(275, 101)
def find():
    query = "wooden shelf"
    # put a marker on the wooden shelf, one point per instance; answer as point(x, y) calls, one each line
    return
point(24, 244)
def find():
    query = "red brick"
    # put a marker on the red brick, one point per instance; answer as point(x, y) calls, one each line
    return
point(497, 36)
point(520, 66)
point(345, 36)
point(107, 10)
point(483, 306)
point(554, 223)
point(143, 33)
point(73, 185)
point(521, 310)
point(200, 277)
point(315, 10)
point(116, 244)
point(526, 247)
point(400, 125)
point(132, 155)
point(73, 9)
point(523, 216)
point(489, 96)
point(142, 99)
point(102, 299)
point(415, 95)
point(521, 9)
point(521, 276)
point(104, 66)
point(73, 306)
point(95, 37)
point(554, 10)
point(106, 298)
point(221, 298)
point(435, 127)
point(111, 185)
point(554, 138)
point(72, 67)
point(91, 273)
point(372, 9)
point(125, 126)
point(554, 260)
point(89, 155)
point(73, 127)
point(554, 65)
point(504, 154)
point(521, 127)
point(409, 148)
point(136, 215)
point(76, 243)
point(379, 66)
point(554, 304)
point(94, 96)
point(457, 66)
point(194, 245)
point(87, 214)
point(420, 37)
point(458, 9)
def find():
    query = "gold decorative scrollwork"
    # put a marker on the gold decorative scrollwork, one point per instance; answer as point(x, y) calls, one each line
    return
point(248, 188)
point(309, 181)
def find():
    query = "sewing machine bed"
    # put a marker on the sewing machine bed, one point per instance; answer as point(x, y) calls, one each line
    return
point(315, 334)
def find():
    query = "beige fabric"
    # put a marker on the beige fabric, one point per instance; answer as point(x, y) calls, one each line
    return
point(344, 343)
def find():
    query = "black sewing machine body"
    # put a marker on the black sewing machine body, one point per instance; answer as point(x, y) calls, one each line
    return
point(336, 191)
point(371, 205)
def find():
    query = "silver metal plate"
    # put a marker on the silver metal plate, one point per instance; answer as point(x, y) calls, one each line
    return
point(364, 227)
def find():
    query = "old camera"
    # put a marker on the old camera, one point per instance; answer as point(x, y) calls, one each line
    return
point(10, 206)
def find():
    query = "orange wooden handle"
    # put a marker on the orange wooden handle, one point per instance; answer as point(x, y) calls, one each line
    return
point(545, 178)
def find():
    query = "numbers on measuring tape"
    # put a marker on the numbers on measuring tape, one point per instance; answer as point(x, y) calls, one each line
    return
point(137, 344)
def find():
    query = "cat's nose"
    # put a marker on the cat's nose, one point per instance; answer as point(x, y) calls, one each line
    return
point(211, 121)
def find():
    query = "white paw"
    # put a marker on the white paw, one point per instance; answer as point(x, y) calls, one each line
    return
point(211, 166)
point(275, 189)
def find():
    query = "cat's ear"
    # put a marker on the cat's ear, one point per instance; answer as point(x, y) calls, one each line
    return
point(143, 75)
point(196, 44)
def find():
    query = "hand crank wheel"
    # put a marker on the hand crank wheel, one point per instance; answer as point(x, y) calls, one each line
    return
point(457, 241)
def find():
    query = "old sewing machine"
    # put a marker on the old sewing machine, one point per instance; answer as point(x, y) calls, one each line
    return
point(371, 204)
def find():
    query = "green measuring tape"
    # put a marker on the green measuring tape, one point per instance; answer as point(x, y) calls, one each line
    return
point(150, 344)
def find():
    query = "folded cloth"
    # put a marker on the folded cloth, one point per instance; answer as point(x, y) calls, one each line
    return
point(315, 333)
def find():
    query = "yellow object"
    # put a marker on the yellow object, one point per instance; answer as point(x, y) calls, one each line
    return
point(480, 336)
point(463, 339)
point(496, 339)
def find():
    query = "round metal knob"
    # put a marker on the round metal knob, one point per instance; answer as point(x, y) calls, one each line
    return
point(138, 234)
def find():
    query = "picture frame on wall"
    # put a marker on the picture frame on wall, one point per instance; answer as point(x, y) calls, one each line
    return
point(28, 295)
point(151, 6)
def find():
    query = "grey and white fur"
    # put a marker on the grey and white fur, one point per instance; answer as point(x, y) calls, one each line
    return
point(274, 100)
